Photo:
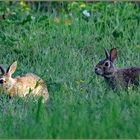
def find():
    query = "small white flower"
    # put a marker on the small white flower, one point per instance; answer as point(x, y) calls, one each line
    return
point(32, 17)
point(86, 13)
point(70, 14)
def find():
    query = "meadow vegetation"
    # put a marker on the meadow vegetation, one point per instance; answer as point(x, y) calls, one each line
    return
point(62, 46)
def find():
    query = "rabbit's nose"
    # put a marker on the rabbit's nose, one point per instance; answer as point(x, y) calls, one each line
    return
point(98, 71)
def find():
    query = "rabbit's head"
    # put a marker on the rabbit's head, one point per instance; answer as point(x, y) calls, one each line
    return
point(6, 78)
point(105, 67)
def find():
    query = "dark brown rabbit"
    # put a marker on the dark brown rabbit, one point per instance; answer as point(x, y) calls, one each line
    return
point(117, 77)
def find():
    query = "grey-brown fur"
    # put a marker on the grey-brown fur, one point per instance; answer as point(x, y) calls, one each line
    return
point(117, 77)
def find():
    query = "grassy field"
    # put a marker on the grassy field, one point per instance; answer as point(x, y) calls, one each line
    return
point(80, 104)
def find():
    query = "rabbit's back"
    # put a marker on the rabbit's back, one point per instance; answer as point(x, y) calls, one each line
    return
point(29, 79)
point(30, 84)
point(124, 77)
point(129, 76)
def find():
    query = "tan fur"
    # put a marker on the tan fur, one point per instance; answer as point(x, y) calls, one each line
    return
point(29, 84)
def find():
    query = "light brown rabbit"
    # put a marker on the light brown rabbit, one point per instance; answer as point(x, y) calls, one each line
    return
point(117, 78)
point(29, 84)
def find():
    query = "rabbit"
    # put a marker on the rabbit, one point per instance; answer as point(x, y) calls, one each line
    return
point(115, 77)
point(29, 84)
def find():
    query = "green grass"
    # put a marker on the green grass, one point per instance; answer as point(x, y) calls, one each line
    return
point(80, 104)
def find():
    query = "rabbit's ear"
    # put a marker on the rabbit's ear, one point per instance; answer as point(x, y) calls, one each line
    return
point(113, 54)
point(106, 53)
point(11, 69)
point(2, 70)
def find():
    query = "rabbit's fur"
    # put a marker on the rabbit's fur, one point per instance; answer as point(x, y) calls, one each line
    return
point(117, 77)
point(29, 84)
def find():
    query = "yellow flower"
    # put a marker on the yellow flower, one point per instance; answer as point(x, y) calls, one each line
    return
point(26, 8)
point(79, 81)
point(57, 20)
point(82, 5)
point(22, 4)
point(67, 21)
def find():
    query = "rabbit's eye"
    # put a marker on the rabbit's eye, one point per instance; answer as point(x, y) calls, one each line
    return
point(106, 64)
